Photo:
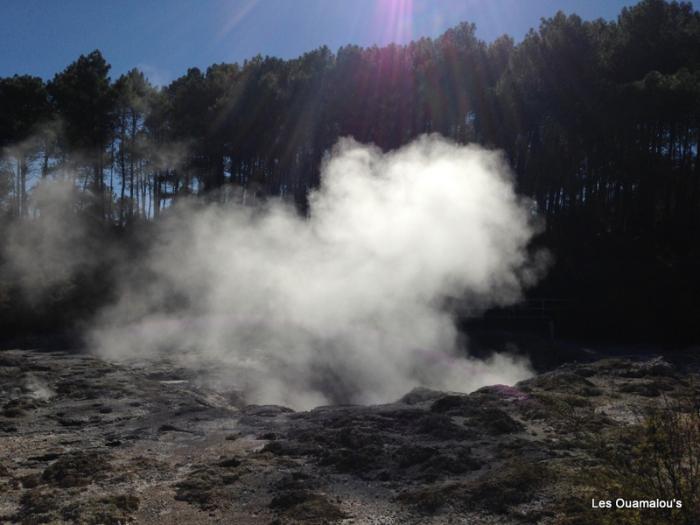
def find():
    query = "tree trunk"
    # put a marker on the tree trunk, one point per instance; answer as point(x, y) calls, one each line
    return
point(23, 186)
point(122, 170)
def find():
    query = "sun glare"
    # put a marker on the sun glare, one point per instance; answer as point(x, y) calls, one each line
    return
point(393, 21)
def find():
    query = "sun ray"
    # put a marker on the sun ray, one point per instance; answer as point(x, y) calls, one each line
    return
point(393, 21)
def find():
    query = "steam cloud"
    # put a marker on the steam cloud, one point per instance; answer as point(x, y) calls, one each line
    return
point(54, 246)
point(345, 305)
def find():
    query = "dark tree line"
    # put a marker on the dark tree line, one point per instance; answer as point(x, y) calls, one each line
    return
point(599, 119)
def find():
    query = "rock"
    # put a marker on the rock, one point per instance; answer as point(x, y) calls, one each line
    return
point(199, 487)
point(306, 506)
point(39, 506)
point(112, 510)
point(484, 457)
point(409, 455)
point(76, 469)
point(265, 410)
point(172, 428)
point(657, 367)
point(441, 427)
point(452, 404)
point(642, 389)
point(496, 421)
point(420, 395)
point(561, 381)
point(229, 463)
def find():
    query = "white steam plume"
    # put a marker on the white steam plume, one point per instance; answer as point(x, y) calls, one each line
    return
point(52, 247)
point(345, 304)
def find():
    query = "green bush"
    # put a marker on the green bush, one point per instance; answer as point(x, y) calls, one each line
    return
point(659, 458)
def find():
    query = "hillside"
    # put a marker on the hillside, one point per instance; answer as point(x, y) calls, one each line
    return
point(90, 441)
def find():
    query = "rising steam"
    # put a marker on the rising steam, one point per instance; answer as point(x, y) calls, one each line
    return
point(54, 246)
point(345, 305)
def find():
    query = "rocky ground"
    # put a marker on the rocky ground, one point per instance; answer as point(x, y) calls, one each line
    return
point(87, 441)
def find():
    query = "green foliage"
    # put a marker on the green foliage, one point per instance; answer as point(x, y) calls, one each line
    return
point(83, 96)
point(657, 459)
point(23, 106)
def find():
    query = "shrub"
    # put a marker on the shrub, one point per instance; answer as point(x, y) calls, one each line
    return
point(659, 458)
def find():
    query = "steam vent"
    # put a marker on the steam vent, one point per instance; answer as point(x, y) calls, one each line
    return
point(382, 262)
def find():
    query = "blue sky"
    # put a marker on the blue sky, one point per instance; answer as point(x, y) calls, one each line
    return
point(164, 38)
